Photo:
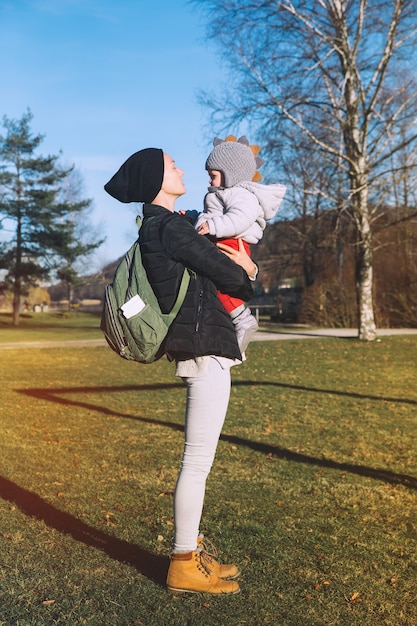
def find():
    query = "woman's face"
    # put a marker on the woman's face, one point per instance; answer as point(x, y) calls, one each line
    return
point(172, 183)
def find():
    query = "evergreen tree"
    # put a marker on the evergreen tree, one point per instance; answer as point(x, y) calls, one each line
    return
point(36, 216)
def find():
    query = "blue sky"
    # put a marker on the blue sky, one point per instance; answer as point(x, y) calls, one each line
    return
point(104, 78)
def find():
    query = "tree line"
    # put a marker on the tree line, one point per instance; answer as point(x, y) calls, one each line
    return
point(307, 269)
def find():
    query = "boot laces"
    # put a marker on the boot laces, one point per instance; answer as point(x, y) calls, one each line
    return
point(203, 562)
point(208, 550)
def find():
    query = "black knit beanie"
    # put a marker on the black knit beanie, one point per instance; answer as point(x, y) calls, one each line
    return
point(140, 178)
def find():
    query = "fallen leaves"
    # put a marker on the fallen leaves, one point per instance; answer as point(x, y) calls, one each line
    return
point(109, 517)
point(318, 585)
point(354, 598)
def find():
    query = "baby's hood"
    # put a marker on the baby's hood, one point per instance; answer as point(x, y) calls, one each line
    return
point(268, 196)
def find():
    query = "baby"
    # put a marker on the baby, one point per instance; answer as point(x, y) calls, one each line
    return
point(237, 207)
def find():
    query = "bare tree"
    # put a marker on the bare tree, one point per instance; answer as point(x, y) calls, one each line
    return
point(311, 184)
point(330, 69)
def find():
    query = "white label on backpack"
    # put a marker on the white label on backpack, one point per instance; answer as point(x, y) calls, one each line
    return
point(132, 307)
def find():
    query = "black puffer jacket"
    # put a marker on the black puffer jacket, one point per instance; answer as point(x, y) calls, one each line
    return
point(168, 244)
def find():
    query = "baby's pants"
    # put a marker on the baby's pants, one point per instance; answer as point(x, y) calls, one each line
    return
point(207, 401)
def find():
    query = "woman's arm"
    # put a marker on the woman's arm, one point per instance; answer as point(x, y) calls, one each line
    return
point(182, 243)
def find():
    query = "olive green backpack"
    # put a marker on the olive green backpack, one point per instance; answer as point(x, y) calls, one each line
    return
point(132, 321)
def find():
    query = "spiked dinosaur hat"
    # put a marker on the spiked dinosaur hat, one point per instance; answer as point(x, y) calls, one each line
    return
point(235, 159)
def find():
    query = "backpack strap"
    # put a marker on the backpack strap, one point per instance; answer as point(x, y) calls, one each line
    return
point(181, 293)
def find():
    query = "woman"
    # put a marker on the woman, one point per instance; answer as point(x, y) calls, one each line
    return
point(201, 340)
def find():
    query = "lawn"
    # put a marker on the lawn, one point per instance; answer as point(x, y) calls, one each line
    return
point(312, 492)
point(50, 326)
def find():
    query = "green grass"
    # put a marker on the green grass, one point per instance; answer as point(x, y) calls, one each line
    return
point(50, 326)
point(312, 492)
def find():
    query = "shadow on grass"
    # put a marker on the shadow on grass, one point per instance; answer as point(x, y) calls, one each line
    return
point(150, 565)
point(386, 476)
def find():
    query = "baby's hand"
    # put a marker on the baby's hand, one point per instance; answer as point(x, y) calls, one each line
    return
point(203, 229)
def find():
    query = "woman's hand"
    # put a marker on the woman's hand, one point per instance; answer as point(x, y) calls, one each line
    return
point(240, 257)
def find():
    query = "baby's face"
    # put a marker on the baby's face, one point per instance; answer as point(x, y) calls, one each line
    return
point(215, 178)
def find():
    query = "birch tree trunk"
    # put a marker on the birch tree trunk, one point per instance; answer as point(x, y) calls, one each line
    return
point(364, 271)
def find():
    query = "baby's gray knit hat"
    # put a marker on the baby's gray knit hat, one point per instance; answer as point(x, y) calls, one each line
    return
point(235, 159)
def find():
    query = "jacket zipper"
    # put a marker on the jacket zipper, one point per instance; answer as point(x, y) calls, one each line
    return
point(200, 305)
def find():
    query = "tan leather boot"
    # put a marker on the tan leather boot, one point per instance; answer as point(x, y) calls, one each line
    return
point(188, 572)
point(218, 569)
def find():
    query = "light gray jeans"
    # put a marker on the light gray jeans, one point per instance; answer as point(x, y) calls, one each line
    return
point(206, 407)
